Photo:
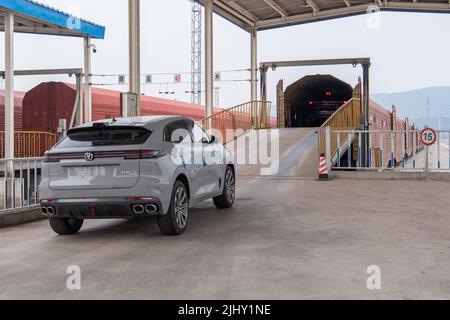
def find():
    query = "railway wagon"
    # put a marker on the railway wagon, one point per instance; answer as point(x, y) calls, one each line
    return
point(409, 138)
point(409, 143)
point(48, 102)
point(311, 100)
point(384, 120)
point(398, 125)
point(380, 119)
point(18, 97)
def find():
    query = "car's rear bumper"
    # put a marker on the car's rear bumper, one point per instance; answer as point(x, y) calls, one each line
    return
point(101, 208)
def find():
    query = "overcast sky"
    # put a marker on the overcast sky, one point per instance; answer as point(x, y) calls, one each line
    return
point(408, 51)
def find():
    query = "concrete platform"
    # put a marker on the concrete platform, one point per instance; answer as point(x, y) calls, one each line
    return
point(287, 238)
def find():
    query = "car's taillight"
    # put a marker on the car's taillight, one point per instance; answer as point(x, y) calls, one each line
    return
point(51, 158)
point(48, 200)
point(127, 155)
point(143, 154)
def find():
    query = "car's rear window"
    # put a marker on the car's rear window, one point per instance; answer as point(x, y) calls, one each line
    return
point(105, 137)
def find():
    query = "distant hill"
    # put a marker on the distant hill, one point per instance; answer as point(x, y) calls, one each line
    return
point(413, 104)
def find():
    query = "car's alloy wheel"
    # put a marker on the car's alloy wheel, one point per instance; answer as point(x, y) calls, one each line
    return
point(226, 200)
point(175, 221)
point(230, 186)
point(180, 204)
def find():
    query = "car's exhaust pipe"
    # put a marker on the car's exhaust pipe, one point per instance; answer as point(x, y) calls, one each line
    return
point(138, 209)
point(50, 211)
point(151, 208)
point(44, 210)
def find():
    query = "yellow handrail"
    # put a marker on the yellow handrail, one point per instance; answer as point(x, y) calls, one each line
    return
point(347, 117)
point(228, 124)
point(29, 144)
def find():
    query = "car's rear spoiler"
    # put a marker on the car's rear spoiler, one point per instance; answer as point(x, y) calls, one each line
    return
point(103, 126)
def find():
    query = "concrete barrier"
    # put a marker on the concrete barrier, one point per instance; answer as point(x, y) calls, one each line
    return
point(20, 216)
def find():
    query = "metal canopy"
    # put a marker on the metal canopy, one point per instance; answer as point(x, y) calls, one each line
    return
point(269, 14)
point(33, 17)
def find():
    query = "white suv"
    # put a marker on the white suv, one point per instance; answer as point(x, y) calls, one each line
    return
point(134, 167)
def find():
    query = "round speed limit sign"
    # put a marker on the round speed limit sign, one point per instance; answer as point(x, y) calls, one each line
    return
point(428, 136)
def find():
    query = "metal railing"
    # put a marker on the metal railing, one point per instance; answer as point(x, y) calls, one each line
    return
point(347, 117)
point(399, 150)
point(29, 143)
point(20, 183)
point(237, 120)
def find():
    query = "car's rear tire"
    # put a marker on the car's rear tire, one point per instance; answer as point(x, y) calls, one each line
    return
point(226, 200)
point(65, 226)
point(175, 221)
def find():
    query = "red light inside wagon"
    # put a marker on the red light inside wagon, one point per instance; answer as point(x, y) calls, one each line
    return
point(91, 211)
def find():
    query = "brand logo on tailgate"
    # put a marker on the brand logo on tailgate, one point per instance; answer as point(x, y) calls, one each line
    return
point(89, 156)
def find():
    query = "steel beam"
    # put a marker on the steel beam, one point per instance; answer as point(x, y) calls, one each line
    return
point(275, 6)
point(38, 72)
point(134, 33)
point(9, 84)
point(209, 85)
point(306, 63)
point(236, 16)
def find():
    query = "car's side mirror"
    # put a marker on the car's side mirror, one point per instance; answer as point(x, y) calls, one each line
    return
point(213, 139)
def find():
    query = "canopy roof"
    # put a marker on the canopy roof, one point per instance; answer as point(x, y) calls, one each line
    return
point(33, 17)
point(269, 14)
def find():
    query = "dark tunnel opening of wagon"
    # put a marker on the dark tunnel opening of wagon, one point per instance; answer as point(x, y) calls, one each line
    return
point(310, 101)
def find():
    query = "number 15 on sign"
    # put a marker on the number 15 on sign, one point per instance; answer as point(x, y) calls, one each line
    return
point(428, 137)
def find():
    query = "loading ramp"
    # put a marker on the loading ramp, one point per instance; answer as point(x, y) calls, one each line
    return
point(276, 153)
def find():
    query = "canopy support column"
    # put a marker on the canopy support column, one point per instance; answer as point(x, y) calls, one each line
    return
point(134, 30)
point(254, 64)
point(263, 84)
point(209, 60)
point(87, 80)
point(9, 84)
point(254, 73)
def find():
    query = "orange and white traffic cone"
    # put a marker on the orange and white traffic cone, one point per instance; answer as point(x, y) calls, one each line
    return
point(323, 168)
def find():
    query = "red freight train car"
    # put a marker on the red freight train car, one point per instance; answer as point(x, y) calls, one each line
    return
point(381, 119)
point(18, 97)
point(45, 104)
